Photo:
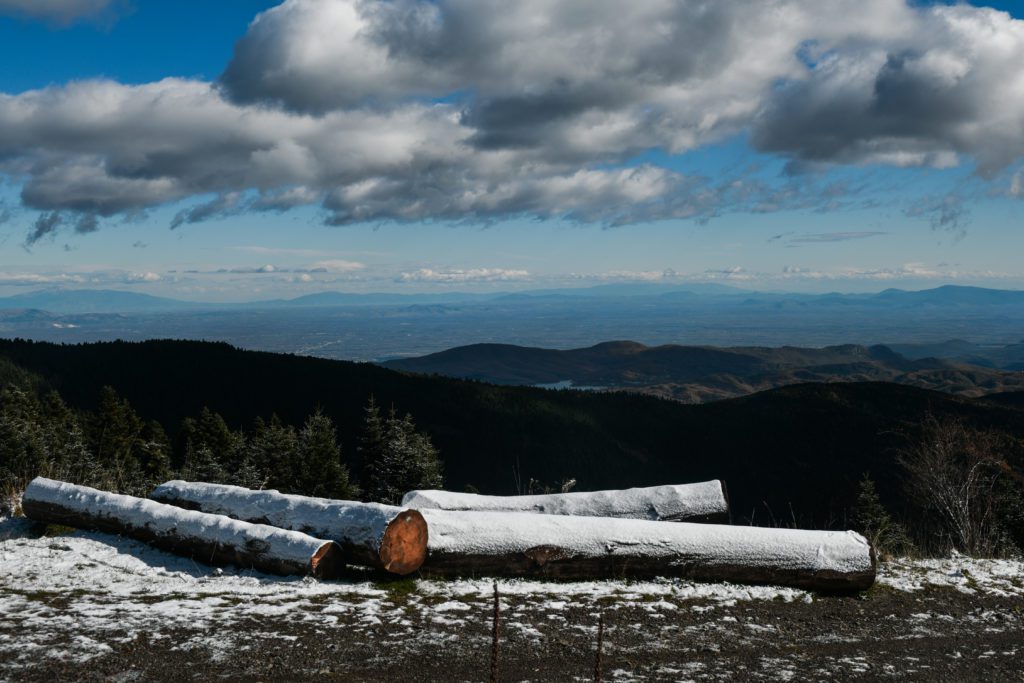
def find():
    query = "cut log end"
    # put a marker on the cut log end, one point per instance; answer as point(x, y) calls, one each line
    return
point(404, 546)
point(328, 562)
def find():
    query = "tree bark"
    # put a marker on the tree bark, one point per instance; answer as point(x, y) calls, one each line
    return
point(369, 534)
point(703, 502)
point(551, 546)
point(212, 539)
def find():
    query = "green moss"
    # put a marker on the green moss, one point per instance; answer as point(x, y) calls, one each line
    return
point(397, 588)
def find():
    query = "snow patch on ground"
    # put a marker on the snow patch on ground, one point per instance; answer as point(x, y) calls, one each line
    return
point(74, 597)
point(1003, 578)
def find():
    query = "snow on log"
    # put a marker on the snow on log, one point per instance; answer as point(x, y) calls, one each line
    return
point(519, 544)
point(370, 534)
point(213, 539)
point(703, 502)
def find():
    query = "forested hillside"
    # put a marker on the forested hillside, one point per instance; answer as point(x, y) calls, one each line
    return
point(792, 455)
point(697, 374)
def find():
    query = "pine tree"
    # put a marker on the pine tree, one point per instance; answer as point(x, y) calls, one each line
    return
point(370, 450)
point(113, 433)
point(23, 452)
point(397, 458)
point(212, 450)
point(69, 458)
point(322, 471)
point(154, 453)
point(273, 452)
point(873, 520)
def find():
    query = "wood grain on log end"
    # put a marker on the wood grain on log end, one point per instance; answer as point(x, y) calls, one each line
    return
point(403, 548)
point(328, 562)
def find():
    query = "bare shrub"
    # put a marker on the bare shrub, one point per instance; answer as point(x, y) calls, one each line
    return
point(953, 473)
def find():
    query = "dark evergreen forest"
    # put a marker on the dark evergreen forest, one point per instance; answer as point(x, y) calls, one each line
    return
point(795, 456)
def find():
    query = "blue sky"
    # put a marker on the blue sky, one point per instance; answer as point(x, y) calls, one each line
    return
point(472, 173)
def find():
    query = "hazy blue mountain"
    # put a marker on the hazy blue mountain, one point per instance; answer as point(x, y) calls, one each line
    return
point(952, 295)
point(376, 299)
point(637, 289)
point(381, 326)
point(93, 301)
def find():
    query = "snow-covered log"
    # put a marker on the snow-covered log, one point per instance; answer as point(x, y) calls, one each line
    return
point(520, 544)
point(703, 502)
point(213, 539)
point(370, 534)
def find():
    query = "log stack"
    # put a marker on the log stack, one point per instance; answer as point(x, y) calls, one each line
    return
point(287, 534)
point(519, 544)
point(213, 539)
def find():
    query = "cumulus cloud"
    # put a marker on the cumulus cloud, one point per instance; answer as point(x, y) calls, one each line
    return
point(469, 275)
point(942, 86)
point(62, 12)
point(905, 271)
point(92, 278)
point(148, 276)
point(481, 109)
point(336, 266)
point(630, 275)
point(36, 279)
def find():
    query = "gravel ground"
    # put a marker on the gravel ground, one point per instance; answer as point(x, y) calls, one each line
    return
point(92, 607)
point(937, 635)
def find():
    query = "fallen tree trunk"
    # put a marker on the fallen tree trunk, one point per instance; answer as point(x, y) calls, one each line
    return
point(369, 534)
point(213, 539)
point(703, 502)
point(518, 544)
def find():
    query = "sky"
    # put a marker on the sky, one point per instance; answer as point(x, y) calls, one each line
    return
point(240, 150)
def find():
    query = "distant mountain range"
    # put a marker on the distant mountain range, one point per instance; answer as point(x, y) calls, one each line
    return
point(382, 326)
point(92, 301)
point(78, 301)
point(696, 374)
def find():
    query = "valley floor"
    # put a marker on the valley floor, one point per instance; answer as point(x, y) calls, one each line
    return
point(94, 607)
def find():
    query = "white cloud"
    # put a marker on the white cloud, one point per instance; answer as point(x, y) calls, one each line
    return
point(337, 266)
point(470, 275)
point(147, 276)
point(483, 109)
point(35, 279)
point(667, 274)
point(94, 277)
point(906, 271)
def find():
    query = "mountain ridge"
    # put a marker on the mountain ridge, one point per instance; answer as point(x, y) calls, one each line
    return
point(695, 374)
point(62, 300)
